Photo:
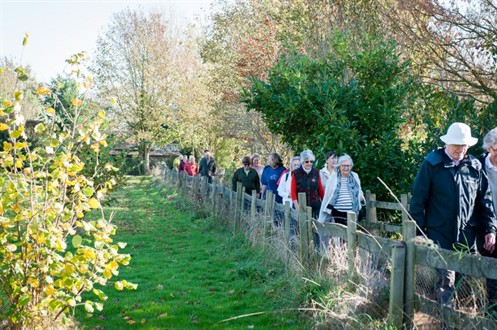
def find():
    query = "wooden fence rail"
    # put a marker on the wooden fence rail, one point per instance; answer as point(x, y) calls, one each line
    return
point(404, 255)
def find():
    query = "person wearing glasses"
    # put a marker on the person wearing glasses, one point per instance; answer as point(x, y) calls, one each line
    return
point(306, 179)
point(451, 202)
point(343, 193)
point(247, 176)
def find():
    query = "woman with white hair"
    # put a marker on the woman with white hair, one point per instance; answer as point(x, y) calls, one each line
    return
point(343, 193)
point(306, 179)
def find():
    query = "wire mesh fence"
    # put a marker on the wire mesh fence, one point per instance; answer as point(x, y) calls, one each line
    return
point(367, 271)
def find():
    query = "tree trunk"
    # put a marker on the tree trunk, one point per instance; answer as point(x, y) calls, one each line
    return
point(145, 154)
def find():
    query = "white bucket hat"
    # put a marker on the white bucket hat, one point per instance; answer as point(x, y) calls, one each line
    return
point(460, 134)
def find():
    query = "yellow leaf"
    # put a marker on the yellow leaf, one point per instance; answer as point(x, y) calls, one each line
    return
point(7, 146)
point(93, 203)
point(25, 39)
point(143, 321)
point(7, 103)
point(50, 111)
point(131, 322)
point(16, 208)
point(42, 90)
point(113, 265)
point(3, 126)
point(19, 96)
point(20, 145)
point(76, 102)
point(89, 307)
point(119, 285)
point(49, 290)
point(33, 282)
point(162, 316)
point(113, 101)
point(107, 273)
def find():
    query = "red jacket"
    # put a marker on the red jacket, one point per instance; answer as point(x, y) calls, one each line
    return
point(191, 169)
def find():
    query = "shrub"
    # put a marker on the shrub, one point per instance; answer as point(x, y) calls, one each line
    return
point(49, 253)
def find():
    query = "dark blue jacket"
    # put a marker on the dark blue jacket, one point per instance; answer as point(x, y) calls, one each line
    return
point(451, 201)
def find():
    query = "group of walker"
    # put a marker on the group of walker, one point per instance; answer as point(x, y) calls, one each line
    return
point(454, 198)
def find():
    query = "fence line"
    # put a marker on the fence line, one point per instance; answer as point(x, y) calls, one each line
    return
point(404, 255)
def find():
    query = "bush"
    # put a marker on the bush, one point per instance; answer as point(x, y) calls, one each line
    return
point(49, 254)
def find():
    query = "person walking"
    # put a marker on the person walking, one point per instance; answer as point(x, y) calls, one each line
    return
point(255, 163)
point(451, 202)
point(329, 166)
point(271, 175)
point(284, 183)
point(306, 179)
point(489, 162)
point(343, 193)
point(247, 176)
point(207, 166)
point(191, 167)
point(181, 164)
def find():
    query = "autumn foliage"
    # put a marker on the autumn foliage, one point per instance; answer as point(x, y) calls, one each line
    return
point(50, 254)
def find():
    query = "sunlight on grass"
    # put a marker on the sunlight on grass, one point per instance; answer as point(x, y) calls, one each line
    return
point(191, 273)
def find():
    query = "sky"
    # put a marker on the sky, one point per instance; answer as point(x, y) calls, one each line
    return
point(60, 28)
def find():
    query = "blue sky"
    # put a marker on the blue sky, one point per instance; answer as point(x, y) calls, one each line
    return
point(58, 29)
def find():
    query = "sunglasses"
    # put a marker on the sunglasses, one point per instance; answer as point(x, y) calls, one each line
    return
point(309, 161)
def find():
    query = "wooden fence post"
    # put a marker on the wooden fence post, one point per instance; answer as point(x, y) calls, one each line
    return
point(180, 181)
point(396, 303)
point(218, 198)
point(239, 200)
point(371, 216)
point(213, 195)
point(409, 234)
point(287, 221)
point(268, 214)
point(253, 206)
point(310, 239)
point(351, 244)
point(304, 244)
point(204, 188)
point(404, 200)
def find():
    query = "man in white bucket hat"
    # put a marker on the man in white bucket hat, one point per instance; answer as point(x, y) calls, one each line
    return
point(451, 201)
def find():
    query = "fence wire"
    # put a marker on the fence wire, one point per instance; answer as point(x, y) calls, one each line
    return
point(367, 292)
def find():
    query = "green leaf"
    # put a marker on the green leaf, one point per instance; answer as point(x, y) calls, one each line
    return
point(88, 191)
point(24, 300)
point(76, 241)
point(100, 294)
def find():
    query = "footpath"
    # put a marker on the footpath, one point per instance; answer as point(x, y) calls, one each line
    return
point(192, 273)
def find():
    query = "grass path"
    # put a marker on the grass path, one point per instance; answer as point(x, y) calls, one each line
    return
point(191, 273)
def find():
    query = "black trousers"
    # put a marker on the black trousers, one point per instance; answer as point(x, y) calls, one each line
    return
point(339, 216)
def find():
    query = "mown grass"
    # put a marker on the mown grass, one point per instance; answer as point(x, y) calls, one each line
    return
point(191, 273)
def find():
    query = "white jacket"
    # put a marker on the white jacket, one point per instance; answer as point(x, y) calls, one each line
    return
point(284, 188)
point(329, 190)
